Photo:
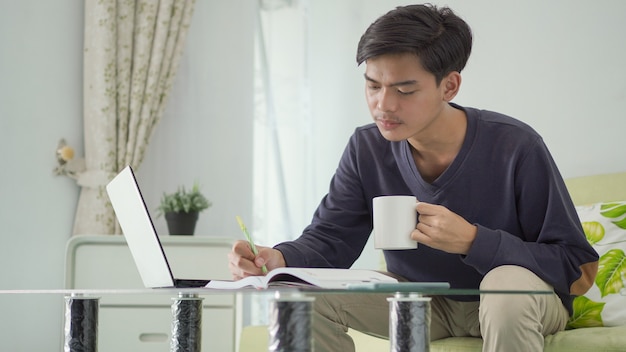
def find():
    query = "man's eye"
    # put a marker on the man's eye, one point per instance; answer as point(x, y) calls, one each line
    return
point(406, 93)
point(373, 87)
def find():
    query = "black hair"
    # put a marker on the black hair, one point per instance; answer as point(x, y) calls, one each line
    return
point(440, 38)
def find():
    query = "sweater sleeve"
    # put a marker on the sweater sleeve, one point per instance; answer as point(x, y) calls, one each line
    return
point(341, 224)
point(553, 244)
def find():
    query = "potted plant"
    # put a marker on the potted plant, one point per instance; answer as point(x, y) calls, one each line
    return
point(181, 209)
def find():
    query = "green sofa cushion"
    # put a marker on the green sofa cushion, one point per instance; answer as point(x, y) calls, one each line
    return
point(611, 339)
point(603, 339)
point(588, 340)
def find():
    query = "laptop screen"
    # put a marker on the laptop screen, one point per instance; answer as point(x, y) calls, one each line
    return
point(134, 218)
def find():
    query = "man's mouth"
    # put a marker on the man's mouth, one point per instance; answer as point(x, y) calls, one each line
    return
point(388, 124)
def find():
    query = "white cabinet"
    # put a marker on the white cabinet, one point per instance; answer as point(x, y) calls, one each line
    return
point(143, 322)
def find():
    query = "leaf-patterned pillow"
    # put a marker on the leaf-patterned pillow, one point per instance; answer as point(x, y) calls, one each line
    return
point(605, 303)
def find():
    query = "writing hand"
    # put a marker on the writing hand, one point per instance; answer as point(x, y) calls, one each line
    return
point(242, 262)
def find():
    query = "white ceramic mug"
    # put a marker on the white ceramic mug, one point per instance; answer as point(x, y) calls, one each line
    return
point(395, 218)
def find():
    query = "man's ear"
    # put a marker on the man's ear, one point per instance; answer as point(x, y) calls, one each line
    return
point(451, 84)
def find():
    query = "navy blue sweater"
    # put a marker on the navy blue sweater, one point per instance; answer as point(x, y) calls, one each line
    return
point(503, 180)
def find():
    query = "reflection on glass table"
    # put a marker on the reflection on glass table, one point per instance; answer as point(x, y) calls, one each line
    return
point(290, 314)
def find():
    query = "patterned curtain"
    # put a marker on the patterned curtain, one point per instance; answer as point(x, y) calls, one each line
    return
point(131, 53)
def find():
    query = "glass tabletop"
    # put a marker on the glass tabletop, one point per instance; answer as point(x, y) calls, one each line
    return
point(175, 295)
point(403, 287)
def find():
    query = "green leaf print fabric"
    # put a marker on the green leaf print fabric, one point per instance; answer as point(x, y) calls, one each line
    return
point(605, 303)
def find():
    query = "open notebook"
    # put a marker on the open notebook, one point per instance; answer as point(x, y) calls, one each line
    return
point(319, 277)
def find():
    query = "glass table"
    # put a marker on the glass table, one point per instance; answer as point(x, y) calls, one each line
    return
point(290, 315)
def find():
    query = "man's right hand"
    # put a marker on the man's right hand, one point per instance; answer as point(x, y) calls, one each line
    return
point(242, 262)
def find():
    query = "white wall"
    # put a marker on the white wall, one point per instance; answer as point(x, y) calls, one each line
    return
point(559, 66)
point(556, 65)
point(40, 102)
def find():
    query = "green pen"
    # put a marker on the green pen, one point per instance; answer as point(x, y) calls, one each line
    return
point(249, 238)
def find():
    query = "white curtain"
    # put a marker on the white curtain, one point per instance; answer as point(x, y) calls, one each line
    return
point(308, 100)
point(131, 52)
point(283, 161)
point(282, 123)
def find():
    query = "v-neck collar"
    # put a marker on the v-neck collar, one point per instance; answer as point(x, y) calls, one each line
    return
point(408, 169)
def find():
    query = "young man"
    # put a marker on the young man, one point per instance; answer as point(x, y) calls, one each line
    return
point(494, 212)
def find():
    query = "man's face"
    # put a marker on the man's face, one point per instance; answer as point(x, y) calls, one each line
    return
point(402, 97)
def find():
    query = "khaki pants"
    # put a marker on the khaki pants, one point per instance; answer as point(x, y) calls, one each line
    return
point(506, 322)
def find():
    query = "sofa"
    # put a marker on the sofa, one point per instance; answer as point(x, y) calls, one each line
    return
point(599, 320)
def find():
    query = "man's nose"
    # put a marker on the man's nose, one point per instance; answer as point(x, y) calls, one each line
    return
point(386, 101)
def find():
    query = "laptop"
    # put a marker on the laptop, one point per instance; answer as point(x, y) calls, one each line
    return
point(141, 236)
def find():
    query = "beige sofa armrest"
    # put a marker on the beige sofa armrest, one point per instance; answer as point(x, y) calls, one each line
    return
point(597, 188)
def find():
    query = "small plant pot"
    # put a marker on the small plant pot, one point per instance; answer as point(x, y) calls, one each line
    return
point(181, 223)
